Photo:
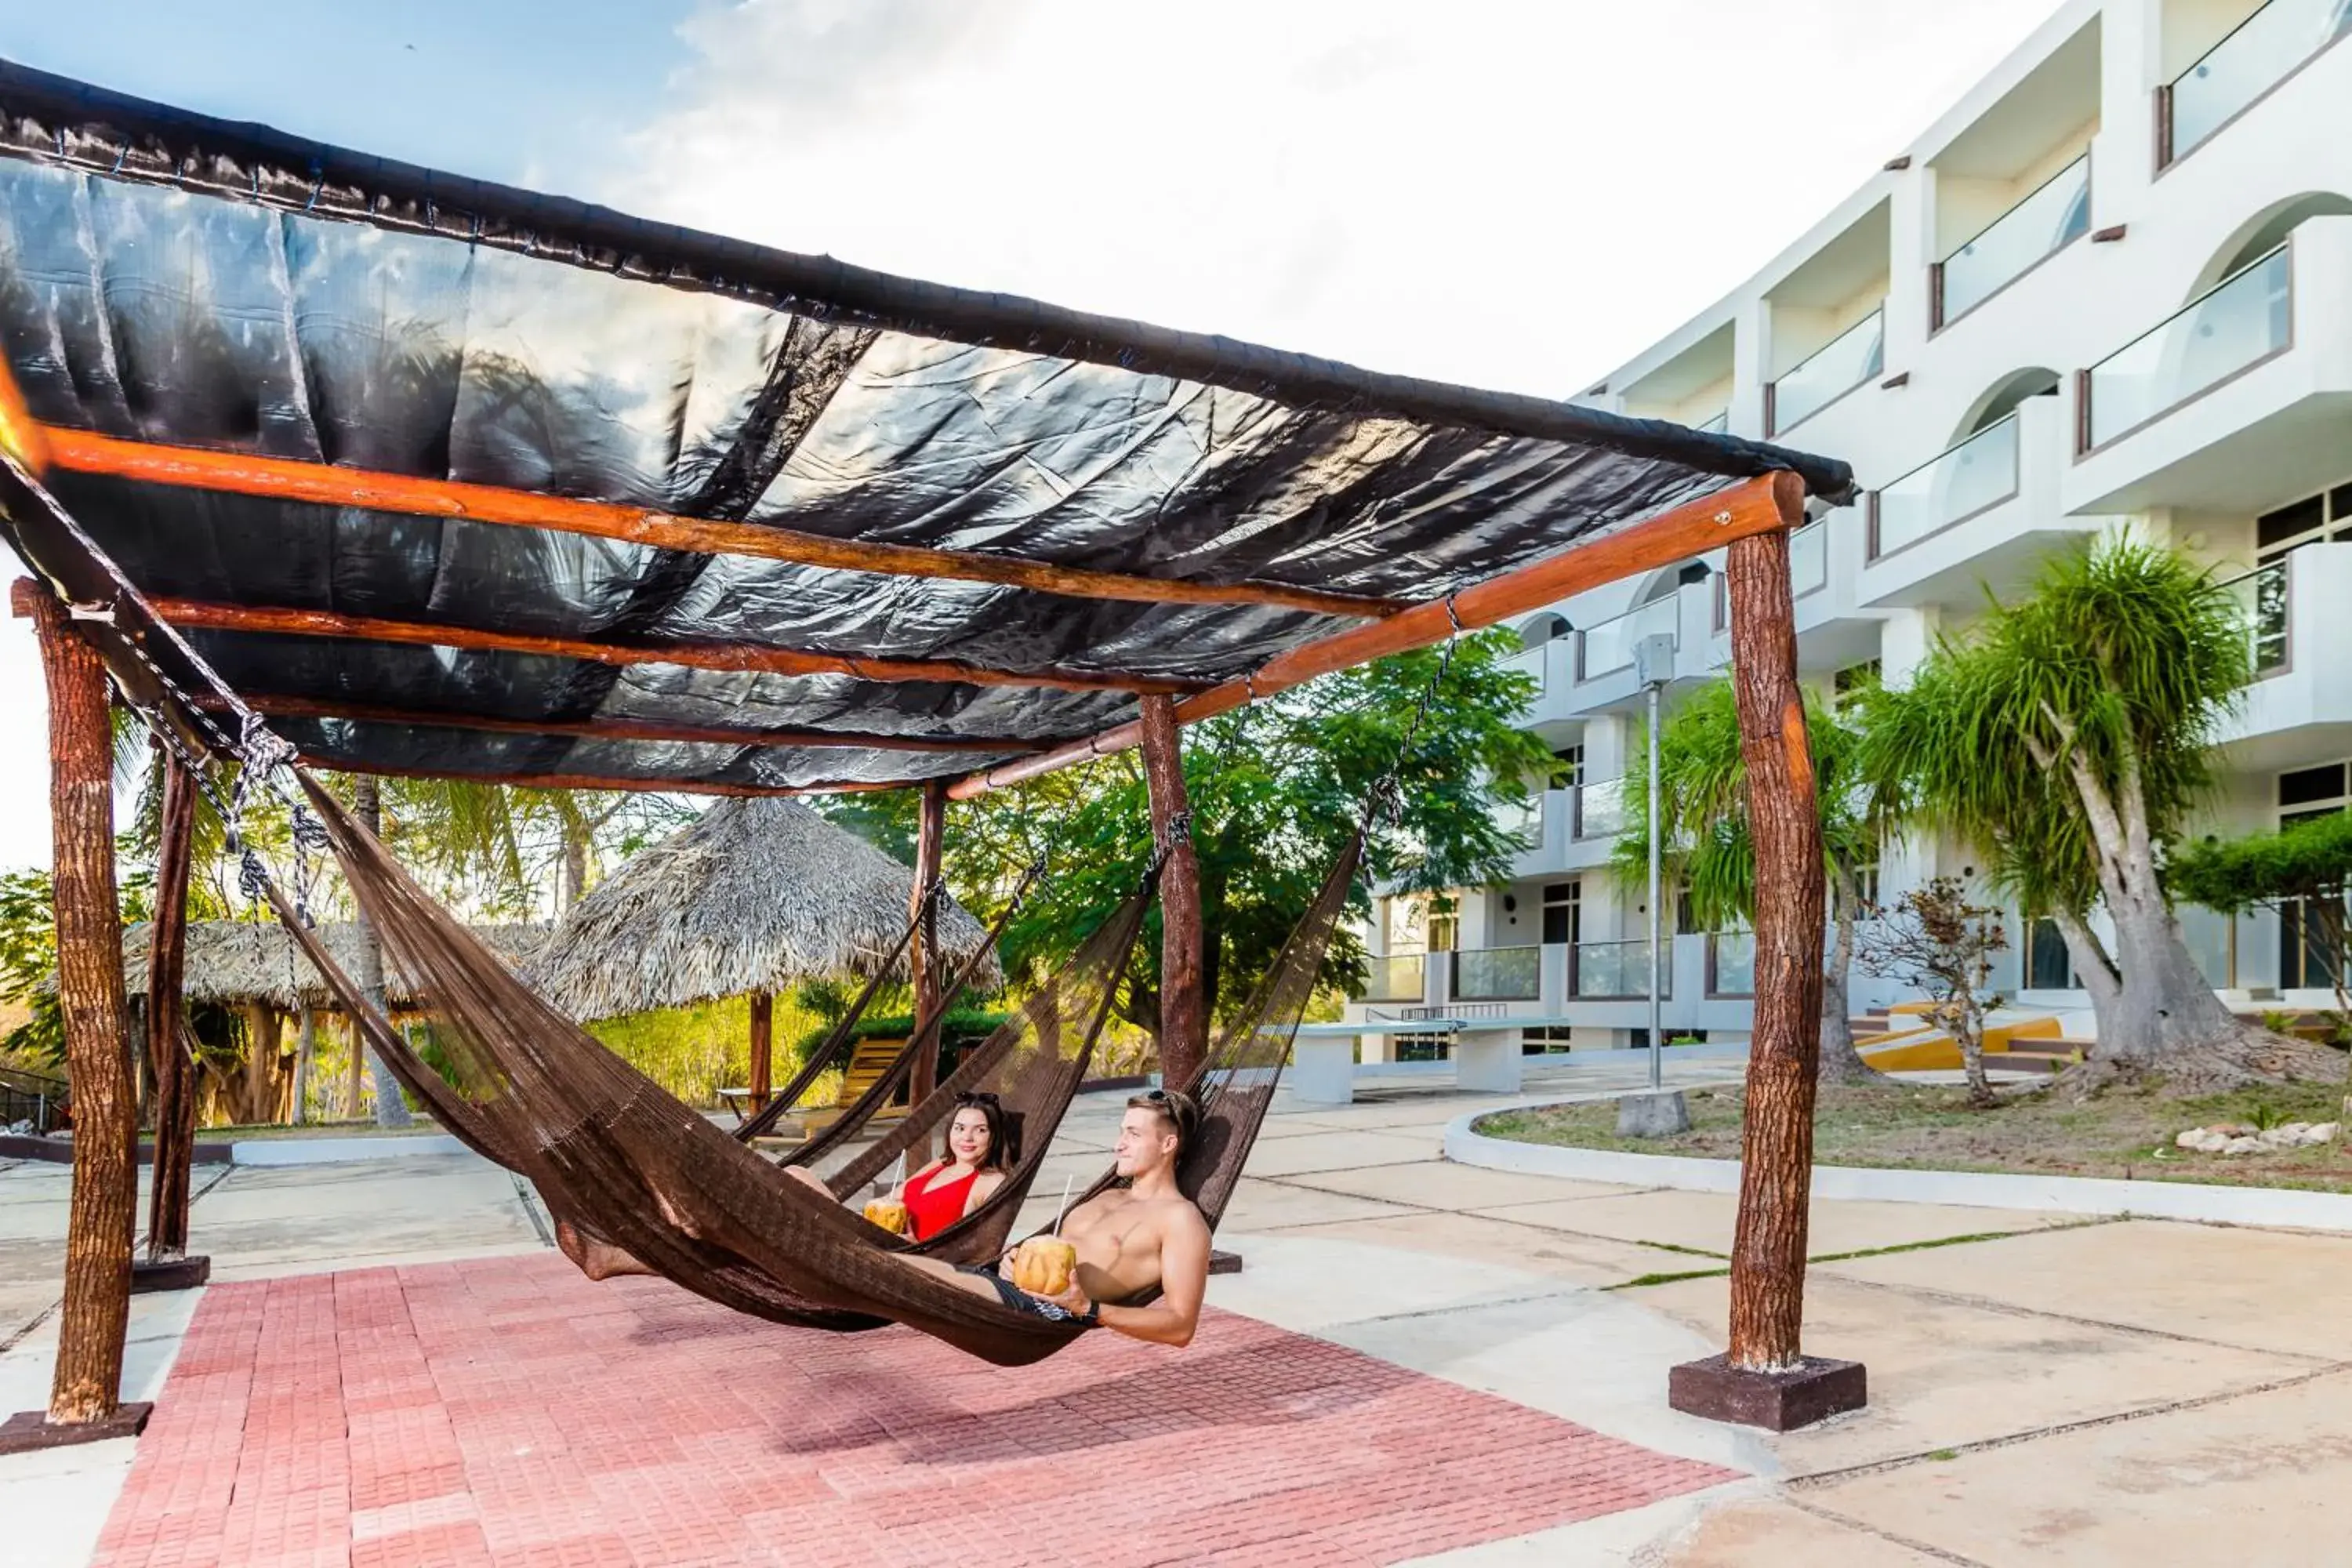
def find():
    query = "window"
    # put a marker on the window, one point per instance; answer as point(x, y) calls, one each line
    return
point(1854, 679)
point(1545, 1040)
point(1567, 766)
point(2048, 965)
point(2306, 952)
point(1445, 925)
point(1562, 911)
point(2315, 519)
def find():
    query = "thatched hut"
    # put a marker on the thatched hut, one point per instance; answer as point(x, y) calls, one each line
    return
point(255, 969)
point(754, 896)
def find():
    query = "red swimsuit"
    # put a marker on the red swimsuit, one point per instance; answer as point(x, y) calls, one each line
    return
point(932, 1205)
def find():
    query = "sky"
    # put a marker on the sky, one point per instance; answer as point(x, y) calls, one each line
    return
point(1513, 194)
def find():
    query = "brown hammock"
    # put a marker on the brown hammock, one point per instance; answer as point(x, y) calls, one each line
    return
point(606, 1146)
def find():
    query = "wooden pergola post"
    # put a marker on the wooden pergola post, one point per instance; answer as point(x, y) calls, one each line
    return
point(1183, 1005)
point(85, 1394)
point(1764, 1378)
point(923, 956)
point(167, 1266)
point(763, 1049)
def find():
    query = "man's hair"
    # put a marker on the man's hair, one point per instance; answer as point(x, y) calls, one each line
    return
point(1173, 1105)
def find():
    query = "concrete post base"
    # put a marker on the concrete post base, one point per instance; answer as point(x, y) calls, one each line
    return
point(31, 1431)
point(175, 1274)
point(1660, 1115)
point(1814, 1390)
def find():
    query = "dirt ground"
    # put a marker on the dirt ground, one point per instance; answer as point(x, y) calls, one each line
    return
point(2123, 1133)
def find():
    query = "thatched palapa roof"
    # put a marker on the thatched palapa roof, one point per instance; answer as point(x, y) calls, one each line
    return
point(232, 962)
point(756, 896)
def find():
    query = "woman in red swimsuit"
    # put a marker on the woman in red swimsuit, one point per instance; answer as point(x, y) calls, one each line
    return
point(979, 1153)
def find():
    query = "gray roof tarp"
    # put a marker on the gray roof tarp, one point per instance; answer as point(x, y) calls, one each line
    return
point(171, 278)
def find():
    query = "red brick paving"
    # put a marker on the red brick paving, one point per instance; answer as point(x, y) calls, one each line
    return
point(506, 1411)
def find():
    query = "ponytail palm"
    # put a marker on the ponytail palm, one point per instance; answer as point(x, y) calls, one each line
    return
point(2068, 737)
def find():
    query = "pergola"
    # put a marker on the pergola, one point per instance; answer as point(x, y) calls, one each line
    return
point(449, 479)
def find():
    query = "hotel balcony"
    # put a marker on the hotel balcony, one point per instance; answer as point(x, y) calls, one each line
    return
point(1982, 514)
point(2238, 401)
point(1602, 985)
point(2240, 71)
point(2299, 710)
point(1855, 357)
point(2046, 222)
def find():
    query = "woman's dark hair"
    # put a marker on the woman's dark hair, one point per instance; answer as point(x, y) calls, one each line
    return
point(1003, 1140)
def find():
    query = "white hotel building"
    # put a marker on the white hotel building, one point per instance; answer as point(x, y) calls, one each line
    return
point(2111, 288)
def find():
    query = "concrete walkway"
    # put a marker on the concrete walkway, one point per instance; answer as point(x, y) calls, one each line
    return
point(2042, 1390)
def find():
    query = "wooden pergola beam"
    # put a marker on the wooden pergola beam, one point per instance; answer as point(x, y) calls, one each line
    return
point(613, 729)
point(197, 614)
point(636, 785)
point(1764, 504)
point(279, 479)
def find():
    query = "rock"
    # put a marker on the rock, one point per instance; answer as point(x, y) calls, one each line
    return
point(2286, 1137)
point(2242, 1146)
point(2322, 1132)
point(2204, 1140)
point(2192, 1139)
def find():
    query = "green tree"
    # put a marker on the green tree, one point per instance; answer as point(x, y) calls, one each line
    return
point(2304, 871)
point(1703, 798)
point(2067, 737)
point(1274, 789)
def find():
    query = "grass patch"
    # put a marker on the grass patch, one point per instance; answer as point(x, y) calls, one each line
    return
point(1835, 1257)
point(2125, 1133)
point(1944, 1454)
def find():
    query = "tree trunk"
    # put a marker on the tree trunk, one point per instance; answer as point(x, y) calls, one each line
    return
point(576, 860)
point(88, 1381)
point(763, 1049)
point(367, 971)
point(1841, 1063)
point(255, 1091)
point(354, 1069)
point(1768, 1255)
point(167, 1047)
point(1183, 1013)
point(306, 1050)
point(2163, 1017)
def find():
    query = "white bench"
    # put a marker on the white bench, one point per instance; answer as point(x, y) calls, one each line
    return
point(1487, 1055)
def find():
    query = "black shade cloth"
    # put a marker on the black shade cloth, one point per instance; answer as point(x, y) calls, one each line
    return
point(172, 278)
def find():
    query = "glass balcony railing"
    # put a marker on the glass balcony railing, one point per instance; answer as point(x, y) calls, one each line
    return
point(1716, 425)
point(2262, 597)
point(1601, 809)
point(2239, 322)
point(1497, 974)
point(1854, 357)
point(2263, 49)
point(2052, 216)
point(1521, 821)
point(1732, 964)
point(1394, 977)
point(1530, 662)
point(1979, 472)
point(1609, 647)
point(1617, 970)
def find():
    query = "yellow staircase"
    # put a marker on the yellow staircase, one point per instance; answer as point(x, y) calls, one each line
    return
point(1911, 1044)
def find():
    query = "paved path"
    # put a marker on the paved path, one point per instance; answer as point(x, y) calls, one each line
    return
point(2185, 1383)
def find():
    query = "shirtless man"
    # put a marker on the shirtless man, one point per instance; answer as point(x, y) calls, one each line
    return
point(1128, 1239)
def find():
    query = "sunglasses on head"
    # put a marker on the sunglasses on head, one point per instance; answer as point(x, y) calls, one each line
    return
point(969, 1097)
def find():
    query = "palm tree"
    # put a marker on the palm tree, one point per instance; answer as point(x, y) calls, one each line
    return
point(2067, 737)
point(1703, 798)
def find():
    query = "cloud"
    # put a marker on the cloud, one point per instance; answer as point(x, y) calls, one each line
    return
point(1511, 194)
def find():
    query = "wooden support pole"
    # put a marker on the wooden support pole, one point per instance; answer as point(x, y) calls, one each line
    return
point(1183, 1005)
point(612, 729)
point(923, 957)
point(1764, 1378)
point(197, 614)
point(244, 473)
point(167, 1046)
point(85, 1394)
point(1753, 506)
point(763, 1049)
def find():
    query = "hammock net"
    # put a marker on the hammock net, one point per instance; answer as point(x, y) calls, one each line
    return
point(612, 1153)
